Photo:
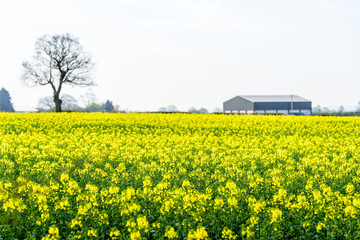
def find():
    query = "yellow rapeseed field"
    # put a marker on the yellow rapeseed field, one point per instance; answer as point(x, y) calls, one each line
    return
point(178, 176)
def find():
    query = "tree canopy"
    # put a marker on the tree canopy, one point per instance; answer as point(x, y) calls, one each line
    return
point(58, 60)
point(108, 106)
point(5, 101)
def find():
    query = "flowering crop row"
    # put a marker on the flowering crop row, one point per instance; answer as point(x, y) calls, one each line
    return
point(178, 176)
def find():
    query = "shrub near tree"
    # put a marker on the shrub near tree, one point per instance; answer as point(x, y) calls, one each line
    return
point(5, 101)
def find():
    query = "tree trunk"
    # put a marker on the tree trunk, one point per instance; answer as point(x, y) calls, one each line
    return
point(57, 102)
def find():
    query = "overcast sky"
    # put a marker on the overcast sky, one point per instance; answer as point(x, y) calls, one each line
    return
point(200, 53)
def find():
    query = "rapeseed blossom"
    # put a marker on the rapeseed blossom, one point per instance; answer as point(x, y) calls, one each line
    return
point(199, 233)
point(171, 233)
point(228, 234)
point(92, 233)
point(177, 176)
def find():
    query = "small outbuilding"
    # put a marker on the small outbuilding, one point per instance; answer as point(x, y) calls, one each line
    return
point(261, 104)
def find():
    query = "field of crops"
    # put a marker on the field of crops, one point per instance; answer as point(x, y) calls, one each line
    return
point(178, 176)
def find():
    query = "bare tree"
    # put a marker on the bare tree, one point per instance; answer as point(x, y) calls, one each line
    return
point(172, 108)
point(203, 110)
point(341, 109)
point(58, 60)
point(217, 110)
point(162, 109)
point(70, 103)
point(192, 110)
point(46, 104)
point(88, 99)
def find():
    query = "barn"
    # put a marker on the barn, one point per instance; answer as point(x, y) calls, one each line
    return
point(261, 104)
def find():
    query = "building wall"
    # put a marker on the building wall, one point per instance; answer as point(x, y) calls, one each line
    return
point(238, 104)
point(242, 106)
point(282, 106)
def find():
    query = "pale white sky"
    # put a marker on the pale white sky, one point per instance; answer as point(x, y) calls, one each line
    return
point(154, 53)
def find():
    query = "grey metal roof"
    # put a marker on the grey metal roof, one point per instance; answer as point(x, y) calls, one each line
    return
point(274, 98)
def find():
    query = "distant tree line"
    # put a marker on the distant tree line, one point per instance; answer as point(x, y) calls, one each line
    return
point(70, 104)
point(201, 110)
point(325, 111)
point(173, 109)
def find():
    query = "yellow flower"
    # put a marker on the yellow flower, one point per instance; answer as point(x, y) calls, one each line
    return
point(135, 235)
point(114, 233)
point(320, 226)
point(142, 222)
point(114, 190)
point(168, 205)
point(133, 208)
point(306, 224)
point(254, 221)
point(356, 202)
point(247, 232)
point(186, 183)
point(63, 205)
point(199, 233)
point(171, 233)
point(75, 223)
point(7, 185)
point(64, 177)
point(130, 224)
point(280, 196)
point(256, 206)
point(232, 188)
point(218, 203)
point(147, 182)
point(350, 188)
point(82, 210)
point(54, 231)
point(156, 225)
point(350, 211)
point(92, 233)
point(276, 215)
point(232, 202)
point(228, 234)
point(317, 196)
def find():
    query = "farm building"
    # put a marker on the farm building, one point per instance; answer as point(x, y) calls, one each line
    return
point(282, 104)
